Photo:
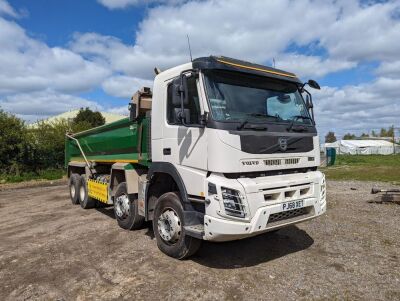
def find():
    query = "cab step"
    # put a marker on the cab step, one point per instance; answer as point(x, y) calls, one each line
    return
point(196, 231)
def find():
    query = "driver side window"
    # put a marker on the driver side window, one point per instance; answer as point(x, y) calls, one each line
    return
point(192, 109)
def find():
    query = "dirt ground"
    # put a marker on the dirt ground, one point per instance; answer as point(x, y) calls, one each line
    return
point(53, 250)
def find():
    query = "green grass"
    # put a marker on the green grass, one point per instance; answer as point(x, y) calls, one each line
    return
point(49, 174)
point(365, 168)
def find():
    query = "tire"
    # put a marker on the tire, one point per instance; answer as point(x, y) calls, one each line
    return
point(169, 229)
point(84, 199)
point(73, 185)
point(126, 209)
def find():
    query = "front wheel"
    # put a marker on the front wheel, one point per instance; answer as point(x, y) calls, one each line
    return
point(168, 228)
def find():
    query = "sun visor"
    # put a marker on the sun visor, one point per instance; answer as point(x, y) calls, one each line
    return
point(225, 63)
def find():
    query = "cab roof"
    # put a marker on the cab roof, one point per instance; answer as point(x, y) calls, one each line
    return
point(226, 63)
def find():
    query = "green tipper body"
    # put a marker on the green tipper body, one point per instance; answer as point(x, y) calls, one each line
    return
point(120, 141)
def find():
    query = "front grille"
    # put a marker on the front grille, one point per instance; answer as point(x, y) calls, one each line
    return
point(273, 162)
point(285, 215)
point(291, 161)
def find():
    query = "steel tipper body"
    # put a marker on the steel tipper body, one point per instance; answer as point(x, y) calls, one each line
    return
point(121, 141)
point(230, 151)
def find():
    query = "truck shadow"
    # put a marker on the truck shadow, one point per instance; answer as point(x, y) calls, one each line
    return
point(242, 253)
point(108, 211)
point(253, 251)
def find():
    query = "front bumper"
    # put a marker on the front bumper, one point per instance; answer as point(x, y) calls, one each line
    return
point(263, 213)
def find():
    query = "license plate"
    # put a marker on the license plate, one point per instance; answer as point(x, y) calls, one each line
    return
point(292, 205)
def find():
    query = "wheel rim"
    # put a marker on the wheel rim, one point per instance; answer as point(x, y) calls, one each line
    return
point(122, 208)
point(82, 193)
point(169, 226)
point(73, 191)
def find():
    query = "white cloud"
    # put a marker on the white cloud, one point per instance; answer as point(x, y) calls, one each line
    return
point(223, 27)
point(350, 32)
point(346, 32)
point(114, 4)
point(123, 110)
point(311, 66)
point(6, 9)
point(121, 4)
point(366, 32)
point(389, 69)
point(40, 105)
point(124, 86)
point(358, 108)
point(30, 65)
point(216, 28)
point(131, 60)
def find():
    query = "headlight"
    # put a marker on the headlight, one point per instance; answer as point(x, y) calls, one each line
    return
point(232, 202)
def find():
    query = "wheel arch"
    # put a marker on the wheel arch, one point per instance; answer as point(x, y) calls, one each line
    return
point(125, 172)
point(168, 170)
point(162, 177)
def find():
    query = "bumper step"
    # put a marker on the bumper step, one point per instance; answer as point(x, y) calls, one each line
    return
point(196, 231)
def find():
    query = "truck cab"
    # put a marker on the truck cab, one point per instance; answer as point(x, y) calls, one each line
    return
point(233, 152)
point(246, 142)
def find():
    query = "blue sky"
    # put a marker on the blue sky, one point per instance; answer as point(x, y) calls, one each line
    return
point(98, 52)
point(60, 19)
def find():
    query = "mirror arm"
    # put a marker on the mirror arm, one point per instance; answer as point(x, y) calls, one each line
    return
point(301, 88)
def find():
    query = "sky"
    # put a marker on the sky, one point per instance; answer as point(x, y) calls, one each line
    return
point(57, 56)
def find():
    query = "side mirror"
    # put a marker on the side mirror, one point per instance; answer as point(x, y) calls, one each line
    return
point(180, 98)
point(132, 112)
point(180, 88)
point(313, 84)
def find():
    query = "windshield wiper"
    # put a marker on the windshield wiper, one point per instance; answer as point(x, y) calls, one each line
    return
point(294, 118)
point(260, 127)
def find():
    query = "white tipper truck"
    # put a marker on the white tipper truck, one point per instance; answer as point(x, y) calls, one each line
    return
point(232, 152)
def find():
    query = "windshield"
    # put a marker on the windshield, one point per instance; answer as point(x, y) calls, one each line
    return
point(237, 97)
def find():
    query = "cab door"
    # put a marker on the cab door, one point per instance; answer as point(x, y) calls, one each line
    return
point(185, 145)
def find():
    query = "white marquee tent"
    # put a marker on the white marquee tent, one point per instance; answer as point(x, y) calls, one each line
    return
point(362, 147)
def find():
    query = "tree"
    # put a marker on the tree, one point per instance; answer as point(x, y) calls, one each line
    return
point(374, 134)
point(86, 115)
point(13, 143)
point(330, 137)
point(383, 133)
point(349, 136)
point(48, 142)
point(390, 131)
point(364, 135)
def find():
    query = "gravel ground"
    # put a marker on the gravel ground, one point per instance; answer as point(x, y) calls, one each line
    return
point(51, 249)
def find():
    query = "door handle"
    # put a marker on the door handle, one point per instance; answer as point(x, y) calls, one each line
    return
point(166, 151)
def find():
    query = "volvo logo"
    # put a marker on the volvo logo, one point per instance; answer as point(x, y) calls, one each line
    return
point(250, 162)
point(282, 141)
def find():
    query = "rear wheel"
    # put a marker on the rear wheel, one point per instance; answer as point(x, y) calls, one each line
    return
point(73, 185)
point(169, 229)
point(126, 209)
point(84, 199)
